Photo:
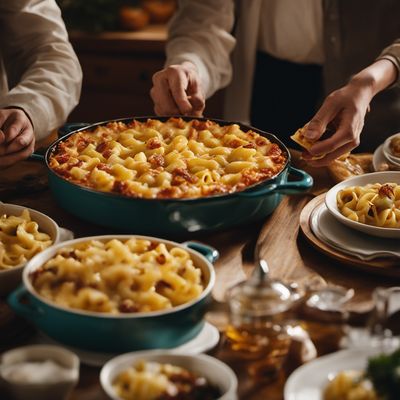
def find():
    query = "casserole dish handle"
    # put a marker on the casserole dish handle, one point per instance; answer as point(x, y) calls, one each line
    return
point(26, 309)
point(300, 186)
point(210, 253)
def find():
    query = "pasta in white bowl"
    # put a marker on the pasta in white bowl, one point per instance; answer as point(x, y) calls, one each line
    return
point(369, 203)
point(23, 233)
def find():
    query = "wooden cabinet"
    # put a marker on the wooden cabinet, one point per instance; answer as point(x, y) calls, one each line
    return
point(117, 74)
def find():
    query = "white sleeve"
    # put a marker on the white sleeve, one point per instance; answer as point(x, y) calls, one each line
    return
point(200, 32)
point(43, 72)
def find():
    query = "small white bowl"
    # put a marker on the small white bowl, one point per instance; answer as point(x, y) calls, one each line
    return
point(59, 389)
point(11, 278)
point(216, 372)
point(388, 152)
point(362, 180)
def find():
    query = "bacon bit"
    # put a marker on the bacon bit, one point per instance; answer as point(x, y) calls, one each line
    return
point(260, 141)
point(120, 187)
point(62, 158)
point(234, 143)
point(101, 147)
point(128, 306)
point(193, 133)
point(161, 286)
point(63, 172)
point(267, 172)
point(252, 134)
point(161, 259)
point(107, 153)
point(153, 143)
point(156, 160)
point(167, 193)
point(79, 163)
point(103, 167)
point(180, 175)
point(82, 144)
point(152, 246)
point(248, 177)
point(202, 125)
point(249, 146)
point(386, 190)
point(177, 122)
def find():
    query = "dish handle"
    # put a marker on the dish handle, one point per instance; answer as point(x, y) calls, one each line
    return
point(24, 309)
point(295, 187)
point(70, 127)
point(210, 253)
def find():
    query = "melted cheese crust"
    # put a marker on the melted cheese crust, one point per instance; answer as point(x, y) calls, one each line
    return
point(172, 159)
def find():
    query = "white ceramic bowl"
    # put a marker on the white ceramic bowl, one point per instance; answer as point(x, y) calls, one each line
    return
point(58, 389)
point(215, 371)
point(387, 151)
point(362, 180)
point(11, 278)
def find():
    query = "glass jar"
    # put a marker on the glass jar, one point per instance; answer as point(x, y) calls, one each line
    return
point(260, 315)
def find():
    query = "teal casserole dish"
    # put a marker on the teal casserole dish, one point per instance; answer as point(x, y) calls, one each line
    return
point(112, 333)
point(176, 217)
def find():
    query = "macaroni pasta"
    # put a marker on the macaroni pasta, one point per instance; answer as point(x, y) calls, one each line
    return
point(20, 240)
point(172, 159)
point(155, 381)
point(118, 276)
point(374, 204)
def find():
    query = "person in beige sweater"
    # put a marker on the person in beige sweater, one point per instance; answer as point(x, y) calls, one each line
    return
point(40, 76)
point(279, 59)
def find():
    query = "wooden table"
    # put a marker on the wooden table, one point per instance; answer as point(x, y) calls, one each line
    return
point(290, 257)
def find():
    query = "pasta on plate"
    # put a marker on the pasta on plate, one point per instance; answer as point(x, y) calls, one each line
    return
point(119, 276)
point(155, 381)
point(374, 204)
point(20, 240)
point(172, 159)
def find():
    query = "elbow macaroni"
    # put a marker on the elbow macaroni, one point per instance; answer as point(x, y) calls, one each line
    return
point(155, 381)
point(172, 159)
point(117, 276)
point(20, 240)
point(374, 204)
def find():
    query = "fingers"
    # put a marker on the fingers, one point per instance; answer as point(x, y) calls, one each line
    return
point(176, 90)
point(23, 140)
point(164, 104)
point(10, 159)
point(348, 132)
point(317, 126)
point(332, 156)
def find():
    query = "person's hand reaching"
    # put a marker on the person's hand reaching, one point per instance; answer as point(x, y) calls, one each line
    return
point(177, 91)
point(17, 139)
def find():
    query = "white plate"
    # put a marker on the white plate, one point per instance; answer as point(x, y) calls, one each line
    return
point(204, 341)
point(349, 241)
point(379, 160)
point(309, 381)
point(362, 180)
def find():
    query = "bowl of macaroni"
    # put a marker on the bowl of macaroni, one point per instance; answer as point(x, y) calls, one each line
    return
point(158, 375)
point(369, 203)
point(186, 174)
point(118, 293)
point(24, 233)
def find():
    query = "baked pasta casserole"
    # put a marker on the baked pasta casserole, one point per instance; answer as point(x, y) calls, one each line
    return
point(119, 276)
point(155, 381)
point(20, 239)
point(350, 385)
point(374, 204)
point(172, 159)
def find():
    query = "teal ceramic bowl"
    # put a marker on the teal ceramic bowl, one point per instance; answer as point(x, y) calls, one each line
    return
point(116, 333)
point(174, 217)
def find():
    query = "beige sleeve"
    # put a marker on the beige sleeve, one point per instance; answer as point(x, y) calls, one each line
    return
point(392, 53)
point(43, 72)
point(200, 32)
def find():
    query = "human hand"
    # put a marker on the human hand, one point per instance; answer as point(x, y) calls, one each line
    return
point(177, 90)
point(17, 139)
point(343, 111)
